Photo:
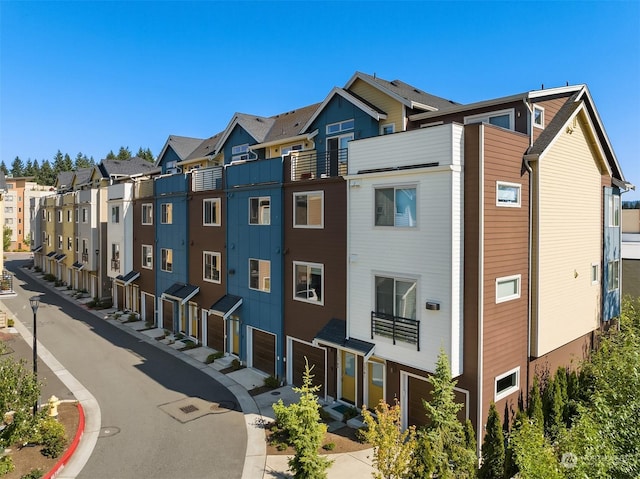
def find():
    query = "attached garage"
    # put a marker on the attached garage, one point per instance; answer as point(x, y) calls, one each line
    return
point(316, 358)
point(263, 351)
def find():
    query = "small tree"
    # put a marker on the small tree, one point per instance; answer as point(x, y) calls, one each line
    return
point(392, 447)
point(532, 452)
point(301, 421)
point(6, 238)
point(492, 447)
point(534, 410)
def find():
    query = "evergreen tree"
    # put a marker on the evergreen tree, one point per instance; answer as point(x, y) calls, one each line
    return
point(553, 408)
point(36, 171)
point(492, 447)
point(110, 156)
point(82, 161)
point(58, 163)
point(146, 154)
point(17, 167)
point(124, 153)
point(6, 238)
point(3, 167)
point(392, 447)
point(46, 174)
point(28, 168)
point(535, 409)
point(67, 164)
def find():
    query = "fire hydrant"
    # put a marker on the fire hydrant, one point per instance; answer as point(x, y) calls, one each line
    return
point(54, 402)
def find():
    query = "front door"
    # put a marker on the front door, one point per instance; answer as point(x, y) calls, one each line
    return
point(194, 323)
point(375, 373)
point(337, 149)
point(348, 377)
point(234, 335)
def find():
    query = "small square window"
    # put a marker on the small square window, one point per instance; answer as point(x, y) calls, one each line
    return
point(508, 194)
point(308, 210)
point(538, 116)
point(507, 288)
point(507, 383)
point(396, 207)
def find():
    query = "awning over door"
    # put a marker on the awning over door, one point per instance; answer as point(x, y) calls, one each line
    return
point(38, 249)
point(60, 257)
point(335, 334)
point(181, 292)
point(77, 265)
point(51, 254)
point(226, 305)
point(127, 278)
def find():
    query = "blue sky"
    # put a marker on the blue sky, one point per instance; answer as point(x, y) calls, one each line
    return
point(93, 76)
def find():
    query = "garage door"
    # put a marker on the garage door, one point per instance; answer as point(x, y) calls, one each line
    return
point(264, 352)
point(215, 332)
point(167, 315)
point(316, 358)
point(149, 308)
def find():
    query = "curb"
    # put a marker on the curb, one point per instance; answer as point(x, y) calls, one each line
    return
point(72, 447)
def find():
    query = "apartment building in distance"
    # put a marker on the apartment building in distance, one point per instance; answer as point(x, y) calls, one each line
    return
point(631, 252)
point(369, 231)
point(20, 190)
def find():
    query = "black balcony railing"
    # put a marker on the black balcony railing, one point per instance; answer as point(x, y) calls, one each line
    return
point(115, 265)
point(311, 165)
point(395, 327)
point(85, 257)
point(6, 283)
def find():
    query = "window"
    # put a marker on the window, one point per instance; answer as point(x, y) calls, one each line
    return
point(69, 244)
point(44, 214)
point(115, 256)
point(387, 129)
point(77, 244)
point(507, 288)
point(240, 152)
point(8, 209)
point(396, 297)
point(595, 277)
point(49, 216)
point(507, 384)
point(395, 207)
point(502, 118)
point(508, 194)
point(77, 216)
point(84, 215)
point(167, 260)
point(211, 266)
point(538, 116)
point(613, 273)
point(69, 213)
point(614, 210)
point(260, 210)
point(115, 214)
point(167, 213)
point(8, 197)
point(8, 221)
point(211, 212)
point(340, 127)
point(59, 241)
point(59, 216)
point(85, 250)
point(147, 214)
point(308, 210)
point(260, 275)
point(309, 282)
point(147, 256)
point(288, 149)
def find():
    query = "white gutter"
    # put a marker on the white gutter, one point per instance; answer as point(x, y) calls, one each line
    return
point(479, 427)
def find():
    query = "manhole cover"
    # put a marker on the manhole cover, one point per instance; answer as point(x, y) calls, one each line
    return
point(189, 409)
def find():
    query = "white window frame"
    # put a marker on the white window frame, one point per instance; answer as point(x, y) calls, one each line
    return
point(485, 117)
point(148, 207)
point(537, 108)
point(307, 193)
point(240, 152)
point(265, 287)
point(59, 216)
point(69, 243)
point(385, 126)
point(216, 203)
point(69, 216)
point(147, 253)
point(506, 279)
point(164, 264)
point(497, 395)
point(260, 207)
point(309, 266)
point(395, 187)
point(166, 213)
point(595, 273)
point(115, 214)
point(218, 257)
point(344, 125)
point(507, 204)
point(60, 242)
point(614, 210)
point(613, 280)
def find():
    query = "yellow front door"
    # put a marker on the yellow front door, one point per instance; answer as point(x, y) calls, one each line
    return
point(375, 372)
point(194, 319)
point(348, 377)
point(235, 335)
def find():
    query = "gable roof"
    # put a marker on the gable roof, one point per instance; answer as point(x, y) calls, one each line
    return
point(256, 126)
point(408, 95)
point(82, 176)
point(182, 145)
point(366, 107)
point(206, 149)
point(64, 180)
point(126, 168)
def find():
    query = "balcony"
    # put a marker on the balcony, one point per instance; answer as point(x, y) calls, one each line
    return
point(206, 179)
point(85, 257)
point(395, 327)
point(115, 265)
point(311, 165)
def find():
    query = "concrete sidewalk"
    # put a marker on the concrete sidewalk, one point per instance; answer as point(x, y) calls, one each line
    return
point(257, 410)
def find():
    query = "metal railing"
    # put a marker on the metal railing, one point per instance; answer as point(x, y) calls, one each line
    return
point(395, 327)
point(115, 265)
point(85, 257)
point(311, 165)
point(204, 179)
point(6, 283)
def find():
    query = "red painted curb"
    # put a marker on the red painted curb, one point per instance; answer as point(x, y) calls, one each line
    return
point(72, 447)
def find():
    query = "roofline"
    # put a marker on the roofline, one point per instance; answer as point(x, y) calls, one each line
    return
point(227, 132)
point(392, 94)
point(350, 98)
point(496, 101)
point(304, 136)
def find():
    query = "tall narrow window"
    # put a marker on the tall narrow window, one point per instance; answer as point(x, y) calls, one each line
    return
point(260, 210)
point(147, 256)
point(115, 214)
point(147, 214)
point(614, 210)
point(167, 259)
point(613, 275)
point(211, 266)
point(166, 213)
point(260, 275)
point(211, 212)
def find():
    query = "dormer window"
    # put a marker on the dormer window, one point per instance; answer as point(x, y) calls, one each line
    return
point(240, 152)
point(538, 116)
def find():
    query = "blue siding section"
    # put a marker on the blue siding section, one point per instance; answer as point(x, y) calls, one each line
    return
point(238, 137)
point(612, 243)
point(168, 157)
point(259, 309)
point(339, 109)
point(175, 236)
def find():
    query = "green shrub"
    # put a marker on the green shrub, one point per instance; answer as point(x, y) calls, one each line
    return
point(52, 437)
point(6, 465)
point(330, 446)
point(33, 474)
point(133, 317)
point(213, 356)
point(10, 322)
point(350, 413)
point(235, 364)
point(271, 382)
point(50, 277)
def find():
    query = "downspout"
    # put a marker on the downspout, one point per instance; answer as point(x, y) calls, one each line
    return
point(480, 422)
point(527, 165)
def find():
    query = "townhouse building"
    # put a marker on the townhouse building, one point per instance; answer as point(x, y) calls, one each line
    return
point(368, 232)
point(631, 252)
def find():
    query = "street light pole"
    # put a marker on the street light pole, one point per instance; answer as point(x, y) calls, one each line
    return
point(35, 302)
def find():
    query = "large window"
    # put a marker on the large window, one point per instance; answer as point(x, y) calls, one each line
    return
point(508, 194)
point(309, 282)
point(260, 275)
point(613, 275)
point(147, 214)
point(211, 212)
point(115, 214)
point(507, 384)
point(395, 207)
point(339, 127)
point(502, 118)
point(396, 297)
point(166, 213)
point(260, 210)
point(211, 266)
point(147, 256)
point(308, 210)
point(167, 259)
point(507, 288)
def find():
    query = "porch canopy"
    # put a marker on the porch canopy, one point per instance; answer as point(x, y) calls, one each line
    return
point(127, 278)
point(51, 254)
point(60, 257)
point(181, 292)
point(77, 265)
point(37, 250)
point(226, 305)
point(335, 334)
